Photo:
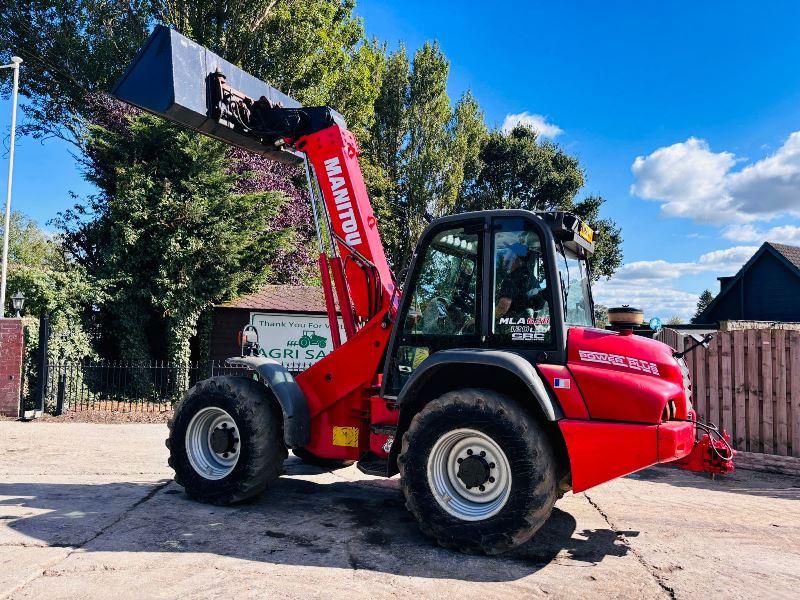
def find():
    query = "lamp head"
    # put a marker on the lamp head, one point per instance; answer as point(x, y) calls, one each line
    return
point(17, 301)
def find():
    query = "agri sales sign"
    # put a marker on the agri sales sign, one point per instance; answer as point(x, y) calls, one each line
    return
point(291, 338)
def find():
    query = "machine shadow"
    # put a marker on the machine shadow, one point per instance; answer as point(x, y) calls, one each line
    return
point(348, 525)
point(751, 483)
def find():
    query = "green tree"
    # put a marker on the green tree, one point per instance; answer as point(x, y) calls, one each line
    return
point(422, 147)
point(425, 155)
point(54, 285)
point(170, 245)
point(315, 50)
point(518, 170)
point(601, 315)
point(384, 168)
point(71, 48)
point(607, 255)
point(467, 131)
point(674, 320)
point(702, 304)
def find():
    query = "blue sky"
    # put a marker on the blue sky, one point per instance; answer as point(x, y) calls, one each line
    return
point(682, 114)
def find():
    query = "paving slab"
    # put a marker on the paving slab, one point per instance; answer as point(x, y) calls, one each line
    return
point(738, 535)
point(108, 522)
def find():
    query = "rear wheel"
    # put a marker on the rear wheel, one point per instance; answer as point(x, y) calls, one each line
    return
point(226, 441)
point(478, 472)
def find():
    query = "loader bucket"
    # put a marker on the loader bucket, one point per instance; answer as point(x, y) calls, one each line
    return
point(170, 78)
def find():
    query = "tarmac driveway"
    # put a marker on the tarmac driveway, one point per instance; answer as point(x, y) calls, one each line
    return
point(90, 511)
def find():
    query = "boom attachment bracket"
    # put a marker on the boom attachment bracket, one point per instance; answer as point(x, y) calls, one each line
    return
point(264, 120)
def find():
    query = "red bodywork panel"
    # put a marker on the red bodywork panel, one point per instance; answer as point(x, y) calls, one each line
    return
point(625, 377)
point(568, 395)
point(626, 382)
point(339, 388)
point(333, 153)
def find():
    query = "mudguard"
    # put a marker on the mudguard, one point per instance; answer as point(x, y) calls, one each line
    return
point(296, 418)
point(509, 361)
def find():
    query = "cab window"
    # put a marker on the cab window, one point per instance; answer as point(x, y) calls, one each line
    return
point(574, 275)
point(522, 298)
point(443, 302)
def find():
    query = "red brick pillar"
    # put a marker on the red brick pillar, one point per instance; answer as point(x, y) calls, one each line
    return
point(11, 349)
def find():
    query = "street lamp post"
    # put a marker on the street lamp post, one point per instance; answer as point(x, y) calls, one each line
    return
point(14, 64)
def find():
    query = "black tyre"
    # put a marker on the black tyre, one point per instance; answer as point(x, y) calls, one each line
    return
point(478, 472)
point(324, 463)
point(226, 440)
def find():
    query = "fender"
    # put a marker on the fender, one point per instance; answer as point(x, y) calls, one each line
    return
point(510, 361)
point(515, 364)
point(296, 418)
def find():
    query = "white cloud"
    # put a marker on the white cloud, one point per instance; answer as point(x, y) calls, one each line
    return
point(691, 180)
point(721, 262)
point(649, 284)
point(536, 122)
point(663, 302)
point(784, 234)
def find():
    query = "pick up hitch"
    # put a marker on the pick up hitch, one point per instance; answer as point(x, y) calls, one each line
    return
point(712, 453)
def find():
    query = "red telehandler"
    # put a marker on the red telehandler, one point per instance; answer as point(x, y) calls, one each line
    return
point(484, 383)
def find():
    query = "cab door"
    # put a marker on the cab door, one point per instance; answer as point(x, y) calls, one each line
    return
point(523, 305)
point(442, 302)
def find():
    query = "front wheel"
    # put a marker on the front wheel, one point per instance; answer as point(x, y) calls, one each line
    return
point(477, 471)
point(226, 441)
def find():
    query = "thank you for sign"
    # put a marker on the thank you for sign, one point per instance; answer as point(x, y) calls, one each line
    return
point(293, 339)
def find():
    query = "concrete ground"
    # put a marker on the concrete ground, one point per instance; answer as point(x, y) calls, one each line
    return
point(90, 511)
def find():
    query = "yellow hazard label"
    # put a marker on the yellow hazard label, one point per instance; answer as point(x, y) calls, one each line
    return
point(586, 232)
point(345, 436)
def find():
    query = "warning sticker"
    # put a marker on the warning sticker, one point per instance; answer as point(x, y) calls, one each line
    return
point(345, 436)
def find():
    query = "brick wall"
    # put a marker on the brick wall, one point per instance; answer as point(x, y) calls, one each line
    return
point(11, 344)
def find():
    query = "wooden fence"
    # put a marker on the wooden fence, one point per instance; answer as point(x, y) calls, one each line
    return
point(748, 382)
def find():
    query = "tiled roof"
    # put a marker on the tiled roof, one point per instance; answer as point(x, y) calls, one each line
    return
point(288, 298)
point(790, 253)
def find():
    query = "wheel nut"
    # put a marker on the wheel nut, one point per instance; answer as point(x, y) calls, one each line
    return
point(460, 460)
point(491, 465)
point(491, 479)
point(482, 488)
point(224, 425)
point(469, 452)
point(224, 455)
point(483, 453)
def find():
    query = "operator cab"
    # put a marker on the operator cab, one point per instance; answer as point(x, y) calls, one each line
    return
point(503, 279)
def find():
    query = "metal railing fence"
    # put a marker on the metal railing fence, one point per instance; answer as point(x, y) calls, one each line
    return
point(128, 387)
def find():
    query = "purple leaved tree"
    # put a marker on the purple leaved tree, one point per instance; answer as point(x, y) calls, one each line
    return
point(262, 174)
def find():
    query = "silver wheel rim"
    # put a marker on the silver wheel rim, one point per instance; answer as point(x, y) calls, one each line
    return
point(452, 494)
point(205, 460)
